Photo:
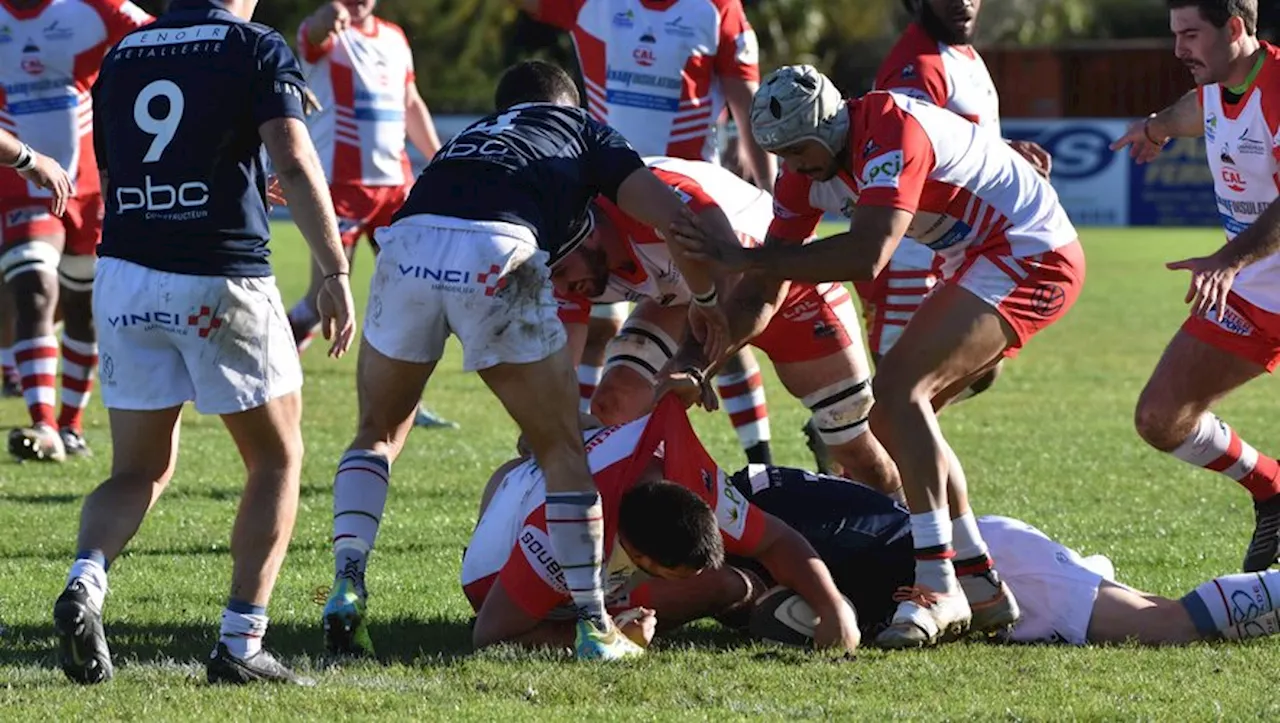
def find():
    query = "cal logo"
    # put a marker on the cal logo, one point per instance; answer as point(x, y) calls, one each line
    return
point(25, 215)
point(883, 171)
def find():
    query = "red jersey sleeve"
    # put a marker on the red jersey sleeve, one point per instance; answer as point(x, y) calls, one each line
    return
point(689, 191)
point(914, 68)
point(120, 17)
point(531, 575)
point(896, 157)
point(312, 52)
point(737, 51)
point(794, 217)
point(561, 13)
point(573, 308)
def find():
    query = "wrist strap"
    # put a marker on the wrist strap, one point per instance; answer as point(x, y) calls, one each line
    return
point(1146, 131)
point(26, 159)
point(707, 299)
point(336, 274)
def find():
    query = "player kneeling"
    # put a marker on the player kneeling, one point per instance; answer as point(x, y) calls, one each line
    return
point(669, 513)
point(810, 331)
point(865, 540)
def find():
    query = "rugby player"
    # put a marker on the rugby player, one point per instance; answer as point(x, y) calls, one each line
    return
point(188, 307)
point(360, 67)
point(864, 538)
point(669, 513)
point(1012, 266)
point(810, 332)
point(663, 74)
point(468, 254)
point(46, 258)
point(1232, 335)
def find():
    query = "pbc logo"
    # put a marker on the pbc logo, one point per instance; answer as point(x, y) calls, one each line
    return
point(1233, 179)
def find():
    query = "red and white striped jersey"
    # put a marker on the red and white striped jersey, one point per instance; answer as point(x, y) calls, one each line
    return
point(360, 79)
point(1242, 140)
point(49, 58)
point(949, 76)
point(652, 67)
point(971, 193)
point(652, 273)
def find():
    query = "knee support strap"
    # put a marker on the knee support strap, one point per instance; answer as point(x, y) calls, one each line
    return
point(641, 346)
point(840, 410)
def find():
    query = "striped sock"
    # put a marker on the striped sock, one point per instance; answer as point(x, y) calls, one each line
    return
point(79, 358)
point(575, 525)
point(744, 400)
point(37, 361)
point(588, 379)
point(1215, 445)
point(243, 626)
point(1236, 606)
point(359, 498)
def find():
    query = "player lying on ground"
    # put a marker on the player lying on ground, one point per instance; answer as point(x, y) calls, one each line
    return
point(468, 255)
point(1233, 334)
point(810, 332)
point(1013, 266)
point(865, 539)
point(669, 513)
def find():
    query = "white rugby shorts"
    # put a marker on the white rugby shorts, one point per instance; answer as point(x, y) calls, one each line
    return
point(165, 339)
point(1055, 587)
point(486, 282)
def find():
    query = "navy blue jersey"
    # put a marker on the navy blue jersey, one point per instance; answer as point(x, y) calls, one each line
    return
point(536, 165)
point(177, 108)
point(862, 535)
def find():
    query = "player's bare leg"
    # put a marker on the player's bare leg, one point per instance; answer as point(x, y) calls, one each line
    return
point(31, 271)
point(1122, 614)
point(540, 398)
point(741, 389)
point(632, 360)
point(144, 450)
point(837, 389)
point(953, 336)
point(605, 323)
point(387, 393)
point(79, 350)
point(1173, 416)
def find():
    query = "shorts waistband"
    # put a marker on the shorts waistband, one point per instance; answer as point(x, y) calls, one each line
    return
point(502, 228)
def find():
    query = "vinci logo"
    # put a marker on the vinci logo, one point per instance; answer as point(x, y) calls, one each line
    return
point(205, 322)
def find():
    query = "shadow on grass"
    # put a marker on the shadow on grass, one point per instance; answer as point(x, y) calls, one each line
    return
point(177, 491)
point(406, 641)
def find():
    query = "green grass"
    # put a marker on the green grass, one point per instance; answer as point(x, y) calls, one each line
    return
point(1052, 444)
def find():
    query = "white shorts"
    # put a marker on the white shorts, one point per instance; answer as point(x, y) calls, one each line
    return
point(485, 281)
point(1055, 587)
point(165, 339)
point(617, 311)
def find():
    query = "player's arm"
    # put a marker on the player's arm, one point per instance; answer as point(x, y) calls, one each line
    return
point(419, 125)
point(1183, 119)
point(37, 168)
point(737, 67)
point(502, 620)
point(1212, 276)
point(646, 198)
point(319, 31)
point(794, 564)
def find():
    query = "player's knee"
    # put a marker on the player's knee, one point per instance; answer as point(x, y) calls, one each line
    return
point(624, 394)
point(984, 382)
point(31, 270)
point(1159, 423)
point(75, 273)
point(841, 411)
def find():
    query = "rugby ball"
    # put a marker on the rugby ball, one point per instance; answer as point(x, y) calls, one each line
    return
point(782, 616)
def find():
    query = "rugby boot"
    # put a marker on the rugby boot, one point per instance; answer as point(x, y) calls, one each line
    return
point(82, 644)
point(74, 443)
point(594, 643)
point(428, 419)
point(1264, 548)
point(261, 667)
point(925, 617)
point(991, 603)
point(39, 443)
point(345, 629)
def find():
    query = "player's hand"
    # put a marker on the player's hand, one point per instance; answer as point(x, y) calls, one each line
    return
point(275, 194)
point(1211, 280)
point(838, 632)
point(710, 327)
point(688, 238)
point(49, 175)
point(1141, 140)
point(337, 313)
point(638, 624)
point(1035, 154)
point(690, 385)
point(332, 18)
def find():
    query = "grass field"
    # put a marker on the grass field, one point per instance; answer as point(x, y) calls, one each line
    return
point(1052, 444)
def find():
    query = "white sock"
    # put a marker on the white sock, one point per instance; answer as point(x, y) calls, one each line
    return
point(931, 537)
point(242, 632)
point(588, 379)
point(966, 539)
point(575, 525)
point(1236, 606)
point(359, 498)
point(94, 578)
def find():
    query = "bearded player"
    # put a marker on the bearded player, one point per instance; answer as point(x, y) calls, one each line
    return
point(1233, 333)
point(810, 332)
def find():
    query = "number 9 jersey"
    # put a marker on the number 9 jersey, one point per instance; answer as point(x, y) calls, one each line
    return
point(176, 135)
